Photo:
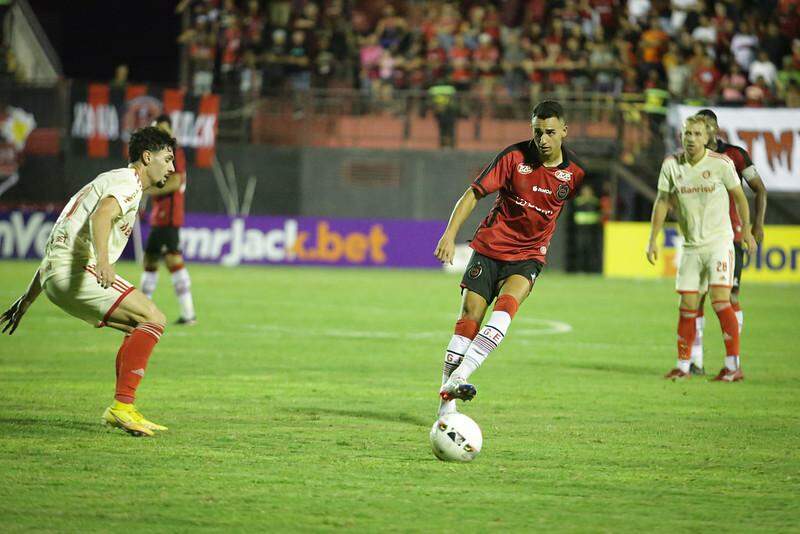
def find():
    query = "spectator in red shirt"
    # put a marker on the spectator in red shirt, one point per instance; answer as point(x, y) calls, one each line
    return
point(706, 76)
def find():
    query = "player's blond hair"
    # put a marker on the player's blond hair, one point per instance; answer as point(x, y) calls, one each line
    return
point(711, 130)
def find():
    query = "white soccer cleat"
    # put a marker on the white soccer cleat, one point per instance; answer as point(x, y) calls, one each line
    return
point(457, 388)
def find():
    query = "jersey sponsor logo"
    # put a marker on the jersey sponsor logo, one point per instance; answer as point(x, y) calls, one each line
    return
point(564, 176)
point(475, 271)
point(524, 203)
point(537, 189)
point(562, 192)
point(688, 190)
point(524, 168)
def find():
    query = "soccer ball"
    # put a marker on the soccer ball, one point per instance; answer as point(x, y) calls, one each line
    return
point(456, 438)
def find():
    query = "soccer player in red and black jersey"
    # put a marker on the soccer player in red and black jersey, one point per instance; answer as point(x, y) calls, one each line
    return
point(747, 172)
point(166, 218)
point(533, 180)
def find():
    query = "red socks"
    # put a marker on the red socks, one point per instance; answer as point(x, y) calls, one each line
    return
point(506, 303)
point(730, 326)
point(132, 359)
point(687, 329)
point(467, 328)
point(120, 351)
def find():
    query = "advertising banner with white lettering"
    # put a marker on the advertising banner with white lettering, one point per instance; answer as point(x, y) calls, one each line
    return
point(232, 241)
point(104, 116)
point(770, 136)
point(310, 241)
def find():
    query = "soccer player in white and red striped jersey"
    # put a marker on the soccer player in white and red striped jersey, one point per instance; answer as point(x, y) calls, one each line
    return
point(533, 180)
point(700, 180)
point(77, 271)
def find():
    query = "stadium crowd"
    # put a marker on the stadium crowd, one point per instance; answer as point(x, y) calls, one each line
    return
point(731, 52)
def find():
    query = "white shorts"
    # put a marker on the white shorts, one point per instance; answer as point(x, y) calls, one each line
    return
point(79, 294)
point(706, 268)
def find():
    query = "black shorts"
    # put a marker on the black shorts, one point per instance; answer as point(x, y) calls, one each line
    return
point(737, 269)
point(483, 275)
point(163, 240)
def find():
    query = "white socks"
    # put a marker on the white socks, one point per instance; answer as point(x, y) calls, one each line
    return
point(490, 336)
point(452, 358)
point(149, 282)
point(182, 284)
point(697, 346)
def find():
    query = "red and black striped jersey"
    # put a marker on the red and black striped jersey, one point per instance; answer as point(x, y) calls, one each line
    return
point(741, 160)
point(168, 209)
point(530, 198)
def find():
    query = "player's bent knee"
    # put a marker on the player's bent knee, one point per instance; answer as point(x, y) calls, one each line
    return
point(155, 316)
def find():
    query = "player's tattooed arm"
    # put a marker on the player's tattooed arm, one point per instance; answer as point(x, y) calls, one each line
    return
point(11, 318)
point(104, 214)
point(445, 249)
point(660, 209)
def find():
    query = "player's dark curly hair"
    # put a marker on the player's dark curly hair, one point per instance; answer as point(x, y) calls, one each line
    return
point(546, 109)
point(148, 138)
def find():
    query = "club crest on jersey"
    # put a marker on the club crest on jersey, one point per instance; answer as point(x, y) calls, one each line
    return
point(524, 168)
point(475, 271)
point(562, 192)
point(706, 174)
point(564, 176)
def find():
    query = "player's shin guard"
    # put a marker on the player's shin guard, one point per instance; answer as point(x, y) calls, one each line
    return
point(490, 336)
point(149, 283)
point(183, 290)
point(133, 358)
point(730, 333)
point(464, 333)
point(687, 329)
point(697, 345)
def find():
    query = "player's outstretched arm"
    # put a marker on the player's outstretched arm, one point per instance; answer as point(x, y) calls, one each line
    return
point(445, 249)
point(757, 185)
point(11, 318)
point(659, 215)
point(106, 211)
point(744, 214)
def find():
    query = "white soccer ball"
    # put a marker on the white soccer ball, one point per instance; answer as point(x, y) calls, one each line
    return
point(456, 438)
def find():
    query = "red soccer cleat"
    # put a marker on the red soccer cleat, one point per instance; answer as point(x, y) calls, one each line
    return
point(677, 374)
point(726, 375)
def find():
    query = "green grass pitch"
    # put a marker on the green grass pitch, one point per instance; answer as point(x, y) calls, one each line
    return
point(303, 399)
